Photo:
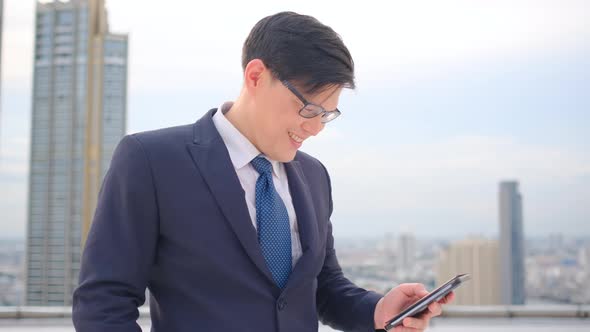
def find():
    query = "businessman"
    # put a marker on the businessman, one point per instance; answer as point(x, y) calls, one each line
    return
point(225, 221)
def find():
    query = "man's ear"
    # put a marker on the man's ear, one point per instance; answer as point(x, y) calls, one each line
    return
point(253, 75)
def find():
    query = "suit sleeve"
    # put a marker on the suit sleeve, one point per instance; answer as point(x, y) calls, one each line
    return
point(120, 247)
point(341, 304)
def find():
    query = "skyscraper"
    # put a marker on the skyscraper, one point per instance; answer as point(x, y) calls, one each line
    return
point(584, 258)
point(478, 257)
point(406, 251)
point(79, 107)
point(511, 244)
point(1, 25)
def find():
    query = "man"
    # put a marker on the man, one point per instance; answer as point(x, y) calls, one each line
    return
point(224, 220)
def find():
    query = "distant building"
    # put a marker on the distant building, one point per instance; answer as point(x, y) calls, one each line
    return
point(1, 25)
point(406, 252)
point(79, 107)
point(584, 257)
point(479, 258)
point(512, 273)
point(555, 242)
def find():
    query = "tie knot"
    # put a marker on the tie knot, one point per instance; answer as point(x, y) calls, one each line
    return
point(262, 165)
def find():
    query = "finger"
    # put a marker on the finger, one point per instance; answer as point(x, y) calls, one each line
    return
point(420, 290)
point(447, 299)
point(422, 314)
point(414, 289)
point(401, 328)
point(416, 323)
point(435, 309)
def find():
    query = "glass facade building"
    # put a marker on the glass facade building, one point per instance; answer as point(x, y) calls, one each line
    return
point(1, 25)
point(79, 103)
point(512, 273)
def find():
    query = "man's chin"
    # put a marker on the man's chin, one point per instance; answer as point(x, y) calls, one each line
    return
point(285, 157)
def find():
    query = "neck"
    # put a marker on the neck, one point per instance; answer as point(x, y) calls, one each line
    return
point(239, 117)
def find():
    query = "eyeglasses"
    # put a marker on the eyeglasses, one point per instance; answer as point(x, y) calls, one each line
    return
point(311, 110)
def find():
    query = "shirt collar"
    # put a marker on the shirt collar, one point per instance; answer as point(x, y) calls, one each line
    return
point(241, 150)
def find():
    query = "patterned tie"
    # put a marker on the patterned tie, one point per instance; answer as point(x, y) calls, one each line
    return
point(274, 233)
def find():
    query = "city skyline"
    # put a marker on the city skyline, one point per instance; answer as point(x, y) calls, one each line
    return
point(557, 267)
point(454, 102)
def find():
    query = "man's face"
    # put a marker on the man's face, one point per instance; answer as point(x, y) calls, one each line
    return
point(280, 130)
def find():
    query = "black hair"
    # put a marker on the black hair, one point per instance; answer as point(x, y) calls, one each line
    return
point(300, 48)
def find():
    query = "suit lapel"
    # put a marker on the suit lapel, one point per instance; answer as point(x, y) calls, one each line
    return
point(306, 219)
point(212, 159)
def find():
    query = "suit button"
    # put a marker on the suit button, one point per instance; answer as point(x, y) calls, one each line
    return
point(281, 304)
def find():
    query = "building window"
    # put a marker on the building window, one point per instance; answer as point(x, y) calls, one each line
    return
point(65, 17)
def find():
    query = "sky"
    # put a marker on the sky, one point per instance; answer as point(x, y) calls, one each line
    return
point(453, 97)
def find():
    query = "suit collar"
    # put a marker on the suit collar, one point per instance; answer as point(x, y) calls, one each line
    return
point(241, 150)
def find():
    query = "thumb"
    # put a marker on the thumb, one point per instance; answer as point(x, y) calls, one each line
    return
point(421, 291)
point(415, 289)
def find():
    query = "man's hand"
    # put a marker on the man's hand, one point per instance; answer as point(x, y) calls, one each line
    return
point(400, 298)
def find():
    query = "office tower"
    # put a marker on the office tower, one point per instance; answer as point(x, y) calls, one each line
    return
point(478, 257)
point(511, 244)
point(584, 258)
point(1, 25)
point(406, 251)
point(555, 242)
point(79, 114)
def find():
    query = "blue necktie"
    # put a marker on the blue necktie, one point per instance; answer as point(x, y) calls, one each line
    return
point(274, 233)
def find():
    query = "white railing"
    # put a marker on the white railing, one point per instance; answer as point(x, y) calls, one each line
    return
point(451, 311)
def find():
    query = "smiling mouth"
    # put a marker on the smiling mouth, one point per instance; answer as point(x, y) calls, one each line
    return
point(296, 138)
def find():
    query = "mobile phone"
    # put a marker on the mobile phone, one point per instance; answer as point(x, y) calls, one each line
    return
point(422, 304)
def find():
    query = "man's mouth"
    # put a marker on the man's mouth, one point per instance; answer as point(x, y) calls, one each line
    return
point(296, 138)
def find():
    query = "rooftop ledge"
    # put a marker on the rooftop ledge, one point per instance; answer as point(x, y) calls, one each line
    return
point(451, 311)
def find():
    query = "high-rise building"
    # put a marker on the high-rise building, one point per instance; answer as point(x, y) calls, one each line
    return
point(479, 258)
point(406, 251)
point(511, 244)
point(79, 107)
point(1, 25)
point(584, 257)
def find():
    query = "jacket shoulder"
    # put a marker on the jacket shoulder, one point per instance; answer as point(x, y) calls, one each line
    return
point(308, 161)
point(164, 136)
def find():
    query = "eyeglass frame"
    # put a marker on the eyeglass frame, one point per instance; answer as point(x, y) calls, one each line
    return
point(325, 114)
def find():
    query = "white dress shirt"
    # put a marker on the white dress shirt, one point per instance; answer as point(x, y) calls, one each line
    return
point(241, 152)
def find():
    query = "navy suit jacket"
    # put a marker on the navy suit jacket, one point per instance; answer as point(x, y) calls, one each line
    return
point(171, 216)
